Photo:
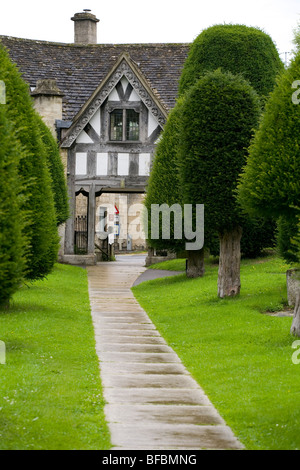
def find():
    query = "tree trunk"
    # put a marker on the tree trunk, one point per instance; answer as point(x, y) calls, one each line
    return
point(229, 282)
point(295, 328)
point(195, 263)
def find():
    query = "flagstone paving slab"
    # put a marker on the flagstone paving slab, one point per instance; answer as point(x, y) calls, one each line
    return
point(166, 414)
point(152, 402)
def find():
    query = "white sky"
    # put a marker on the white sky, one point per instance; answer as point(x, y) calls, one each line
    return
point(153, 21)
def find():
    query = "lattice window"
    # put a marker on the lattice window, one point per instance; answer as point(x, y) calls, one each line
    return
point(124, 125)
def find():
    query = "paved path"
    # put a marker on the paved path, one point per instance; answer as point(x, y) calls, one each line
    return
point(152, 401)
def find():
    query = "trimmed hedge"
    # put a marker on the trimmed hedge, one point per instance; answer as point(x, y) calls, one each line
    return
point(237, 49)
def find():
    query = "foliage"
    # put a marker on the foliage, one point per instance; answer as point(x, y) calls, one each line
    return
point(59, 186)
point(297, 37)
point(218, 117)
point(163, 185)
point(41, 230)
point(12, 220)
point(270, 183)
point(287, 229)
point(237, 49)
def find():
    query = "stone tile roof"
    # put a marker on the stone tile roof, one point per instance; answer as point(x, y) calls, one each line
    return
point(79, 69)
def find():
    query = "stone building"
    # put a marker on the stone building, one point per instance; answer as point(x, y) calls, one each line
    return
point(107, 105)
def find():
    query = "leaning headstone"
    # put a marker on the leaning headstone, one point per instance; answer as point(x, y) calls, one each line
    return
point(293, 285)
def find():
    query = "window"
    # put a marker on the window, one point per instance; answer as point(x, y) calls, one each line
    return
point(124, 125)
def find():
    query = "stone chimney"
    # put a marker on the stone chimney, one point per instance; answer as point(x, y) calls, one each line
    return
point(85, 27)
point(48, 102)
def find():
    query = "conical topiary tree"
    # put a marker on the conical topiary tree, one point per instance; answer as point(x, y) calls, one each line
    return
point(59, 186)
point(41, 230)
point(244, 50)
point(270, 182)
point(218, 117)
point(234, 48)
point(12, 243)
point(163, 184)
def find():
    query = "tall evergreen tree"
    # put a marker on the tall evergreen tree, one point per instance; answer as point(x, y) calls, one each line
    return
point(59, 186)
point(234, 48)
point(246, 51)
point(218, 117)
point(163, 185)
point(270, 182)
point(41, 231)
point(12, 243)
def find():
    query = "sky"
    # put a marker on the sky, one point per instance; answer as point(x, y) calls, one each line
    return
point(155, 21)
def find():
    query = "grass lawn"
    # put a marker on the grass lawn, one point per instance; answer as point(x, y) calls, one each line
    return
point(50, 390)
point(239, 353)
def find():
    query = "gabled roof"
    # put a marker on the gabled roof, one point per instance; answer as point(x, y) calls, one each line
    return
point(79, 69)
point(123, 67)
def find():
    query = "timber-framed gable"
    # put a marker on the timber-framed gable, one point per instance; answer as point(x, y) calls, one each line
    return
point(107, 105)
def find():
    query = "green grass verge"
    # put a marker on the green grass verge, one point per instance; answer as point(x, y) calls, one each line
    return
point(240, 355)
point(171, 265)
point(50, 389)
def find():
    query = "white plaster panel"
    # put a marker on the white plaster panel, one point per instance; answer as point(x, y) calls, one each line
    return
point(81, 164)
point(83, 138)
point(102, 164)
point(124, 83)
point(152, 123)
point(144, 164)
point(95, 122)
point(113, 96)
point(123, 164)
point(134, 96)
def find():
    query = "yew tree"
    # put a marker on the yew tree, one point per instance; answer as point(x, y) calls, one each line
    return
point(38, 202)
point(218, 117)
point(248, 51)
point(12, 243)
point(55, 165)
point(270, 182)
point(234, 48)
point(163, 184)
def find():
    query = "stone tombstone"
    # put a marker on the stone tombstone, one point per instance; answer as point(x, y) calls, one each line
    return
point(293, 285)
